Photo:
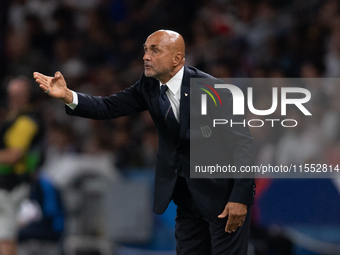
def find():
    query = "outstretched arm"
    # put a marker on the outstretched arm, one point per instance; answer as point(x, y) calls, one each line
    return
point(123, 103)
point(54, 86)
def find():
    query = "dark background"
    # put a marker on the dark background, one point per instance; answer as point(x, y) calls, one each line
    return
point(97, 45)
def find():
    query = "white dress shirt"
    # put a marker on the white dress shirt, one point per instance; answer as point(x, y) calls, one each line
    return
point(173, 93)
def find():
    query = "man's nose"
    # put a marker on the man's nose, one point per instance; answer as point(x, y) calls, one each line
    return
point(146, 56)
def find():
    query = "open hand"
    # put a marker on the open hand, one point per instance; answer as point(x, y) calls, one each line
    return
point(54, 86)
point(236, 215)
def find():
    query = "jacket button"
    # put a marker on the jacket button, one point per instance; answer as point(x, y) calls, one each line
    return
point(176, 170)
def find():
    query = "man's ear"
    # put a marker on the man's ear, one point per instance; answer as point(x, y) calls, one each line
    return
point(178, 56)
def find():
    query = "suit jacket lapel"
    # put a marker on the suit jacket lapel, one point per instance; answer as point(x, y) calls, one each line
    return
point(155, 99)
point(185, 103)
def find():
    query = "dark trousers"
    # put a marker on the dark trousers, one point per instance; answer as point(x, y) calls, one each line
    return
point(196, 235)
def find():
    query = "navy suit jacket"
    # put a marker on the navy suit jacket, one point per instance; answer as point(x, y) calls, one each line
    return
point(210, 195)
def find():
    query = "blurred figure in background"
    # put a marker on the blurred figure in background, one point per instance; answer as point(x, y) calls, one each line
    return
point(48, 224)
point(20, 137)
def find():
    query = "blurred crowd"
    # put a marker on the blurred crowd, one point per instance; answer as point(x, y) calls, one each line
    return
point(97, 45)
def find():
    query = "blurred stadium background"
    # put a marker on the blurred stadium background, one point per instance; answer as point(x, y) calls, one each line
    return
point(103, 170)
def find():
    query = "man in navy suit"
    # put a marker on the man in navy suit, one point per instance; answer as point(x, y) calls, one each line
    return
point(213, 215)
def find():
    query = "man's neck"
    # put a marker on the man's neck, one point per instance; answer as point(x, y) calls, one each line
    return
point(164, 80)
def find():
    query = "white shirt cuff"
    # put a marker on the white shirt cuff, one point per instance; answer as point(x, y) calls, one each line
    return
point(74, 103)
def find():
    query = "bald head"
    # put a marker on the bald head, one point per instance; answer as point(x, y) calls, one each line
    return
point(172, 39)
point(164, 54)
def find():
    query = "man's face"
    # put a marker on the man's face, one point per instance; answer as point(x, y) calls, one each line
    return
point(158, 56)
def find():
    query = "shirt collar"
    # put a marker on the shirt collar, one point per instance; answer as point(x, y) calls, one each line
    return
point(175, 82)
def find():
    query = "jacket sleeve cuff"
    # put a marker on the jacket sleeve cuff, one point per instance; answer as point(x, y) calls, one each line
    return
point(243, 191)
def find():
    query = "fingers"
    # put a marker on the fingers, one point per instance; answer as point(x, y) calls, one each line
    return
point(242, 221)
point(40, 76)
point(236, 215)
point(42, 80)
point(224, 213)
point(233, 223)
point(43, 87)
point(57, 76)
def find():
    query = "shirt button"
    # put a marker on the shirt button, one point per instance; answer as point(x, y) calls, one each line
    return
point(176, 170)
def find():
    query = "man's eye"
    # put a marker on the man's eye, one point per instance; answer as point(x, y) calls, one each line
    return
point(156, 50)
